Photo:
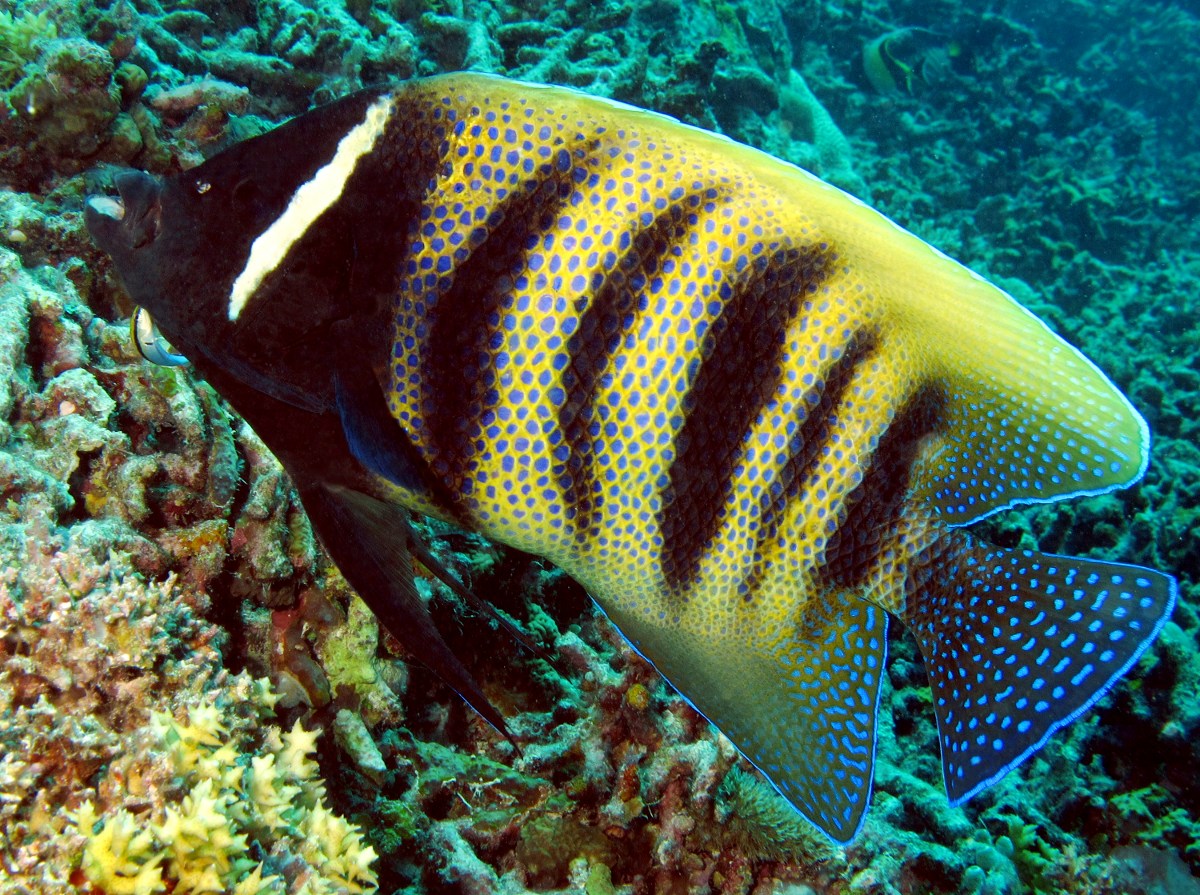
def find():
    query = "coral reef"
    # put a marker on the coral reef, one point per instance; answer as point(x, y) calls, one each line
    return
point(155, 563)
point(122, 496)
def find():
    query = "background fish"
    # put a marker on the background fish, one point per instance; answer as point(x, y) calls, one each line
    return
point(744, 410)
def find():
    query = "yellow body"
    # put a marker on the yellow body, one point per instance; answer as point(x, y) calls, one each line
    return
point(1023, 416)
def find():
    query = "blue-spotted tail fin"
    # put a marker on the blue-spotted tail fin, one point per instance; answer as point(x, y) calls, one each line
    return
point(1018, 644)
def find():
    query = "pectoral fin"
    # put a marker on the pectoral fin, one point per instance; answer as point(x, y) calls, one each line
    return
point(370, 540)
point(379, 443)
point(376, 439)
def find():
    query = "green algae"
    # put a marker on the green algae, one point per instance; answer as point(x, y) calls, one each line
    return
point(21, 40)
point(1036, 861)
point(757, 817)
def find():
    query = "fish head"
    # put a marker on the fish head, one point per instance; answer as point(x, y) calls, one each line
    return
point(173, 259)
point(245, 262)
point(129, 221)
point(126, 227)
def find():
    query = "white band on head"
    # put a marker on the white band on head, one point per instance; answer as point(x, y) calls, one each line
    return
point(308, 203)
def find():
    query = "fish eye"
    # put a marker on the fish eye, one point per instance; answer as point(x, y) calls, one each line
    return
point(246, 192)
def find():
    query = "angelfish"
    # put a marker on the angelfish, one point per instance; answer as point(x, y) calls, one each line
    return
point(747, 412)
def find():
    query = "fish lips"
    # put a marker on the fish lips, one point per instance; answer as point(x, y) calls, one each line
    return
point(121, 225)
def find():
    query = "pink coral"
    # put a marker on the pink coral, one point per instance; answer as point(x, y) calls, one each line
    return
point(179, 102)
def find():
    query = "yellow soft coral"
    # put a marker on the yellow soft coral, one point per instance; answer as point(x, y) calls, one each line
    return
point(245, 790)
point(276, 800)
point(119, 856)
point(293, 752)
point(335, 847)
point(298, 745)
point(196, 744)
point(221, 767)
point(256, 884)
point(201, 839)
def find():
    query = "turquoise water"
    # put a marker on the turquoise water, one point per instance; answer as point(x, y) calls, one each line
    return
point(157, 564)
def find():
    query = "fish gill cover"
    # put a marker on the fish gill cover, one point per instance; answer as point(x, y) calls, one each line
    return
point(158, 566)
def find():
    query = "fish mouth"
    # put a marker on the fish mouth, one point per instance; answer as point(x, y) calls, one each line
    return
point(107, 206)
point(130, 220)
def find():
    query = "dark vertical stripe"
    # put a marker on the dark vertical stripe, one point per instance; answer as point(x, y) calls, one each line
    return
point(465, 323)
point(804, 450)
point(872, 511)
point(737, 376)
point(611, 313)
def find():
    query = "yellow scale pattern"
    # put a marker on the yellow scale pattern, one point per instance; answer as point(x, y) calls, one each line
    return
point(649, 375)
point(873, 395)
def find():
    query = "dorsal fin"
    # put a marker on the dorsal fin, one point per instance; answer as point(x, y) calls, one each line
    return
point(1027, 418)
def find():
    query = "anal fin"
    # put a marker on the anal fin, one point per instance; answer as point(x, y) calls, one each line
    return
point(1018, 644)
point(804, 715)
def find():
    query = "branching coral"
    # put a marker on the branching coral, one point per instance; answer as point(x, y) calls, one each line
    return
point(122, 497)
point(119, 857)
point(87, 644)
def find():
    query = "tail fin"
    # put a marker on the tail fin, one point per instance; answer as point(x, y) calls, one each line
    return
point(1018, 644)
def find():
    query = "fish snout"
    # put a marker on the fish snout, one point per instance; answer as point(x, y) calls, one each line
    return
point(130, 220)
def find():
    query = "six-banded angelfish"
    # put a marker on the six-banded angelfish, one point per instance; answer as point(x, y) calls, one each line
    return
point(748, 413)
